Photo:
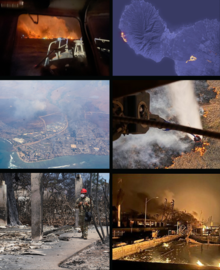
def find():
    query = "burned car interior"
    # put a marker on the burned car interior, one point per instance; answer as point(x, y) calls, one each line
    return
point(68, 37)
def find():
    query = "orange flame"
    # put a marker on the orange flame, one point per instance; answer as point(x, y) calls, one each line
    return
point(123, 36)
point(48, 27)
point(216, 91)
point(202, 149)
point(205, 113)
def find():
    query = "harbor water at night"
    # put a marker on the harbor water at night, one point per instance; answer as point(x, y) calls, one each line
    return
point(179, 252)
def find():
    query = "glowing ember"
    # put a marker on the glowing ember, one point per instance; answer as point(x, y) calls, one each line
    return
point(123, 36)
point(205, 113)
point(217, 92)
point(192, 58)
point(165, 245)
point(199, 263)
point(202, 149)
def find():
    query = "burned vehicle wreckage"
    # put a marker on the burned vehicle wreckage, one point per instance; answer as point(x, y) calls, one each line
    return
point(54, 38)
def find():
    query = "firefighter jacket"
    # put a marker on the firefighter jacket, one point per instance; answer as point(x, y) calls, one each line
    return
point(83, 208)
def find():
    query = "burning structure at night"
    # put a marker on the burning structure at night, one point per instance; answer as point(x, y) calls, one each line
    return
point(153, 145)
point(172, 219)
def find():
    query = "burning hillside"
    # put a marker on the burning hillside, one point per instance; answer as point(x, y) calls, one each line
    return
point(160, 148)
point(46, 27)
point(206, 155)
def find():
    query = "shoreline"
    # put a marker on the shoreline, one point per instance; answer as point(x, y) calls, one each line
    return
point(18, 153)
point(30, 162)
point(52, 158)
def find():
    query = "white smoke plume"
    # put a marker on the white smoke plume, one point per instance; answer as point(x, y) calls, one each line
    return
point(28, 108)
point(175, 103)
point(184, 103)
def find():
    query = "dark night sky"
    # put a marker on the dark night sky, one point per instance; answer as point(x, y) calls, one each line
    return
point(191, 192)
point(126, 62)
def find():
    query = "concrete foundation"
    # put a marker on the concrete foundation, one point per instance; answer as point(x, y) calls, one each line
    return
point(78, 188)
point(120, 252)
point(3, 204)
point(36, 206)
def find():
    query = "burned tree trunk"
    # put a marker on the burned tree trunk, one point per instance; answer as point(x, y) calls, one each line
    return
point(105, 203)
point(13, 218)
point(92, 213)
point(36, 206)
point(97, 207)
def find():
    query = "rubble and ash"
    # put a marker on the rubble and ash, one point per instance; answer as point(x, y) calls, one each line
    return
point(94, 257)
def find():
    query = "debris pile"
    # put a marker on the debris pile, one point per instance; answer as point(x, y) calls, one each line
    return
point(17, 240)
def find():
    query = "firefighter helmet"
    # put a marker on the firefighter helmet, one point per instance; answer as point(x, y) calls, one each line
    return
point(83, 191)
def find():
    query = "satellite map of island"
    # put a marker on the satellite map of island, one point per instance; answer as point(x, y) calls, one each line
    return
point(154, 37)
point(54, 124)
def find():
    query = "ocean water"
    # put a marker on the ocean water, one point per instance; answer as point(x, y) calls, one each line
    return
point(9, 159)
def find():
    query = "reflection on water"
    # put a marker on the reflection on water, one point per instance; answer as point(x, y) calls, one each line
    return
point(181, 253)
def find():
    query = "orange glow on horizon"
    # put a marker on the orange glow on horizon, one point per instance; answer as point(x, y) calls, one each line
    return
point(50, 37)
point(48, 27)
point(123, 36)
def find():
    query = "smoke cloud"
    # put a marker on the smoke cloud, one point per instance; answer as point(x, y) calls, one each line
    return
point(28, 108)
point(156, 147)
point(191, 192)
point(184, 103)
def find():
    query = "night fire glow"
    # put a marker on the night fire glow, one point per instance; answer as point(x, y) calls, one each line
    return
point(123, 36)
point(199, 263)
point(48, 28)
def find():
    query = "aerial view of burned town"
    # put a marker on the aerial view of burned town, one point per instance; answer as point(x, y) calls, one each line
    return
point(166, 125)
point(166, 221)
point(54, 124)
point(54, 221)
